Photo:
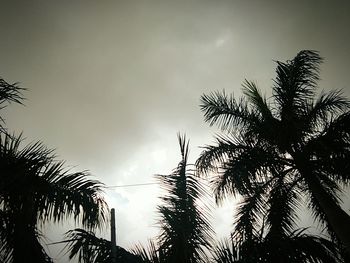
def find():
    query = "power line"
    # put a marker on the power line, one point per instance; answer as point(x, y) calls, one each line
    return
point(144, 184)
point(129, 185)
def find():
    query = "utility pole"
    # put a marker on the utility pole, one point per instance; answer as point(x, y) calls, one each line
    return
point(113, 238)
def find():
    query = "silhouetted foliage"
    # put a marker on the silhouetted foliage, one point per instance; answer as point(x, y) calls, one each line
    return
point(185, 229)
point(290, 142)
point(294, 248)
point(264, 231)
point(35, 189)
point(150, 254)
point(9, 93)
point(88, 248)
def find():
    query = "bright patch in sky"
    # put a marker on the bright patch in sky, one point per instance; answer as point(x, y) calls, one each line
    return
point(223, 40)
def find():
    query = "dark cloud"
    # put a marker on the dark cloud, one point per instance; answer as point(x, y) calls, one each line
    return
point(110, 84)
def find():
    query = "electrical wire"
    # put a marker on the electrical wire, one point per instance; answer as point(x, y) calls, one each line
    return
point(130, 185)
point(142, 184)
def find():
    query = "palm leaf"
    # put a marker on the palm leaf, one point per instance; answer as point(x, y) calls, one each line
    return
point(226, 112)
point(87, 248)
point(9, 93)
point(296, 81)
point(149, 254)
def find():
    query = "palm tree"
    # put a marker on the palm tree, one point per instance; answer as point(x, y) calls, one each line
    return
point(9, 93)
point(185, 229)
point(291, 136)
point(35, 189)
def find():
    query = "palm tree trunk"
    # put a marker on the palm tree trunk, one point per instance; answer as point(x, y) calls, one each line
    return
point(27, 247)
point(338, 219)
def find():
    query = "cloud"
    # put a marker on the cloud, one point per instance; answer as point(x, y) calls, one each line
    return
point(110, 85)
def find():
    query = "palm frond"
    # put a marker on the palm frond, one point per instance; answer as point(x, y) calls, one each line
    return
point(238, 165)
point(335, 170)
point(226, 112)
point(213, 155)
point(87, 248)
point(149, 254)
point(318, 197)
point(225, 252)
point(313, 248)
point(283, 201)
point(10, 92)
point(296, 81)
point(327, 106)
point(62, 194)
point(249, 217)
point(297, 247)
point(258, 102)
point(331, 149)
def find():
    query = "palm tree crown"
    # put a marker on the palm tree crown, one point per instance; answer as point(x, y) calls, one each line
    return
point(291, 139)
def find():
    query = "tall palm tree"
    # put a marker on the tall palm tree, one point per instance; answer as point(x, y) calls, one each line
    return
point(186, 233)
point(292, 136)
point(185, 229)
point(34, 189)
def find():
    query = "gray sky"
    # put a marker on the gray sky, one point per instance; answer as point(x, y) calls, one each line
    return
point(110, 83)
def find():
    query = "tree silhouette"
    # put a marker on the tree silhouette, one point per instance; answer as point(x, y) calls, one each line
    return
point(185, 229)
point(292, 138)
point(35, 189)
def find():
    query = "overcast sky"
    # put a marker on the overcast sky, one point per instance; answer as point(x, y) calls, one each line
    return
point(110, 83)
